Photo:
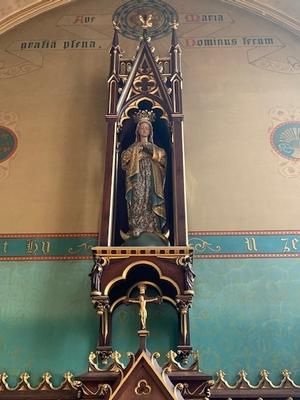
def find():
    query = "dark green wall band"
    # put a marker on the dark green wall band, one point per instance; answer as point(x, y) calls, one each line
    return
point(231, 244)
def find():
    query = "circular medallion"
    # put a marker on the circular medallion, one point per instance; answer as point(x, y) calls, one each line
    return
point(285, 140)
point(8, 143)
point(127, 16)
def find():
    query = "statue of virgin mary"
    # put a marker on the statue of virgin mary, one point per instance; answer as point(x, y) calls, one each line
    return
point(145, 166)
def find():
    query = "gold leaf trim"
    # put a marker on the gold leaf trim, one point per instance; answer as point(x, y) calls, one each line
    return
point(69, 383)
point(28, 12)
point(264, 383)
point(24, 383)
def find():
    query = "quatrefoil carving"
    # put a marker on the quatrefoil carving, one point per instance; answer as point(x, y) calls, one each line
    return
point(142, 388)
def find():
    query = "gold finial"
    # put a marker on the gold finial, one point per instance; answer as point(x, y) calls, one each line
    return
point(116, 25)
point(174, 24)
point(146, 21)
point(221, 374)
point(264, 373)
point(68, 376)
point(243, 374)
point(286, 373)
point(116, 356)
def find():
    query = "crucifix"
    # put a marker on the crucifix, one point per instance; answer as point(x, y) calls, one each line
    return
point(142, 300)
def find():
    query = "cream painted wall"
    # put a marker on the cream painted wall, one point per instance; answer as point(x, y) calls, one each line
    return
point(10, 6)
point(235, 181)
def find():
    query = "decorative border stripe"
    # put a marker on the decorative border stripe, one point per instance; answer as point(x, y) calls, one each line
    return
point(206, 244)
point(245, 244)
point(46, 235)
point(47, 246)
point(233, 233)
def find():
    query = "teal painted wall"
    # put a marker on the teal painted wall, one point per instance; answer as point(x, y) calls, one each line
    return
point(245, 315)
point(47, 322)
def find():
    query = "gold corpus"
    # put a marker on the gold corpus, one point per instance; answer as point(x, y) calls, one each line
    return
point(142, 388)
point(145, 262)
point(28, 12)
point(147, 283)
point(135, 105)
point(120, 300)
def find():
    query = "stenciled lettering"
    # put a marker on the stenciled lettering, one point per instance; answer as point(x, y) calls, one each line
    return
point(39, 44)
point(58, 44)
point(207, 42)
point(258, 41)
point(211, 42)
point(289, 244)
point(31, 247)
point(46, 246)
point(194, 18)
point(84, 19)
point(251, 244)
point(4, 247)
point(79, 44)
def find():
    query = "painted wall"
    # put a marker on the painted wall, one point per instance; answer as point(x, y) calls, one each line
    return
point(246, 317)
point(241, 80)
point(241, 75)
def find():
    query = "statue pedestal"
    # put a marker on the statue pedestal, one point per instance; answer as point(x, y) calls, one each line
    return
point(164, 267)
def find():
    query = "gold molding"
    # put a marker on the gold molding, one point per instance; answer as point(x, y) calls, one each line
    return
point(142, 388)
point(220, 383)
point(141, 251)
point(134, 104)
point(151, 363)
point(28, 12)
point(268, 12)
point(24, 383)
point(243, 383)
point(133, 264)
point(256, 7)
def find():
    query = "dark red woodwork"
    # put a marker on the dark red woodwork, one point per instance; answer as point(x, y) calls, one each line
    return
point(161, 84)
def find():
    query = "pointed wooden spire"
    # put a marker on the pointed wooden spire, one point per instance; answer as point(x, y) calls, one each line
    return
point(115, 42)
point(115, 52)
point(113, 79)
point(175, 51)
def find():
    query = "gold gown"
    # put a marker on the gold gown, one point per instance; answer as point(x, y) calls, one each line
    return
point(145, 178)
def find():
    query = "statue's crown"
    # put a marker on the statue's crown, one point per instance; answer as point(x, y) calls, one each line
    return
point(144, 116)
